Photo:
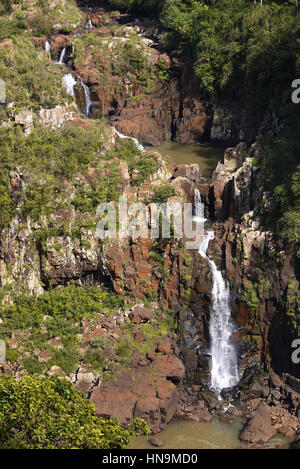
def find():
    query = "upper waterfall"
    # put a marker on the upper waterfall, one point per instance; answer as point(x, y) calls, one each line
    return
point(89, 24)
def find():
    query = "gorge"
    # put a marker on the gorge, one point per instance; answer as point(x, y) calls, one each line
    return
point(145, 328)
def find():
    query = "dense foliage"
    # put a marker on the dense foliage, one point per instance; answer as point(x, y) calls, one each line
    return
point(48, 159)
point(146, 7)
point(32, 81)
point(48, 413)
point(249, 52)
point(55, 313)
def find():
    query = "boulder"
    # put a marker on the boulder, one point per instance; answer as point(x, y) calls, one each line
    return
point(114, 401)
point(141, 314)
point(188, 171)
point(164, 346)
point(149, 410)
point(156, 442)
point(259, 429)
point(170, 367)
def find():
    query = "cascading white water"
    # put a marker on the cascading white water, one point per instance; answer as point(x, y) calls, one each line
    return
point(139, 146)
point(68, 82)
point(47, 46)
point(199, 215)
point(88, 101)
point(62, 56)
point(89, 25)
point(224, 372)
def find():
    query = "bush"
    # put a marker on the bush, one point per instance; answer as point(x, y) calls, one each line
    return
point(64, 308)
point(33, 366)
point(48, 413)
point(126, 150)
point(48, 157)
point(67, 359)
point(5, 6)
point(40, 25)
point(163, 192)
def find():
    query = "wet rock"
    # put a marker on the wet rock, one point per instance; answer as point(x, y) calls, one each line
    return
point(190, 172)
point(202, 415)
point(156, 442)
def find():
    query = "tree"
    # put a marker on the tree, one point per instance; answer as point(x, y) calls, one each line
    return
point(48, 413)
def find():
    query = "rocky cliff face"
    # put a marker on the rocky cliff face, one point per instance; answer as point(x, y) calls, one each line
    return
point(157, 101)
point(153, 99)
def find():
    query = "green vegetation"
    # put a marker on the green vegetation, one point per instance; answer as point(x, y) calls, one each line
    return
point(148, 7)
point(32, 81)
point(139, 167)
point(69, 315)
point(48, 413)
point(48, 158)
point(163, 192)
point(55, 313)
point(129, 59)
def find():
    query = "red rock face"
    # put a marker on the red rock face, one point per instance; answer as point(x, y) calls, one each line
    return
point(170, 108)
point(133, 394)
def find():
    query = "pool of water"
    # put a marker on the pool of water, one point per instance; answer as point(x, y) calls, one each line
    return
point(195, 435)
point(206, 156)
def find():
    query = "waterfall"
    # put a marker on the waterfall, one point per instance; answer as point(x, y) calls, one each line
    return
point(139, 146)
point(88, 101)
point(224, 372)
point(62, 56)
point(89, 24)
point(68, 82)
point(198, 218)
point(47, 46)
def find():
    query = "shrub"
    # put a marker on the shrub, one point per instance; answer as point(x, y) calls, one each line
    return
point(33, 366)
point(48, 413)
point(163, 192)
point(25, 87)
point(67, 359)
point(126, 150)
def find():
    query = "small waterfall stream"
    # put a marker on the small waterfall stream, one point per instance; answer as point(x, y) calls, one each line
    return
point(47, 46)
point(69, 82)
point(140, 147)
point(62, 56)
point(224, 372)
point(88, 100)
point(89, 24)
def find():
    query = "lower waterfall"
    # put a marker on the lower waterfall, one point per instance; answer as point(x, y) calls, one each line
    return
point(224, 371)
